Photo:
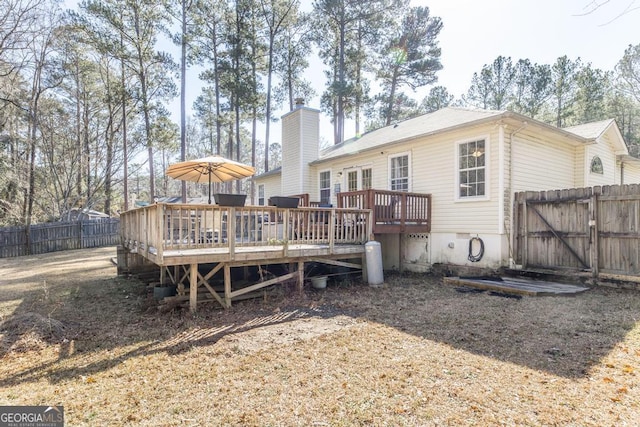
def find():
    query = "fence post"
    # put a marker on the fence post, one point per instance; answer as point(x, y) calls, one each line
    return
point(80, 241)
point(27, 236)
point(525, 233)
point(594, 248)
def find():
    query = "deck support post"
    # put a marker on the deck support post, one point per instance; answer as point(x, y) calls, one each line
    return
point(400, 252)
point(193, 287)
point(365, 276)
point(227, 285)
point(300, 276)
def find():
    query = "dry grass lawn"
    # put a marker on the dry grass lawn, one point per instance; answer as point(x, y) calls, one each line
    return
point(412, 353)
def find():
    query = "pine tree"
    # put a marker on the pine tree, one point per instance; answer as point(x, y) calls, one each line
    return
point(410, 57)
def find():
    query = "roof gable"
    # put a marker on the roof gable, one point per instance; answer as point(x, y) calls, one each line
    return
point(597, 130)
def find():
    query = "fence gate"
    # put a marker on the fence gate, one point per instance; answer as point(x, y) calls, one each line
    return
point(594, 229)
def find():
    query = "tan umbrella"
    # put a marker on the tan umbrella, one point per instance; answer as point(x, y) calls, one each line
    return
point(210, 169)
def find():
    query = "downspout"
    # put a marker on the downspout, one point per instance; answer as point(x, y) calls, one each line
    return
point(622, 173)
point(511, 194)
point(301, 152)
point(501, 158)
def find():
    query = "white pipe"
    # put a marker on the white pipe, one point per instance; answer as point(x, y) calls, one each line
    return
point(511, 192)
point(501, 179)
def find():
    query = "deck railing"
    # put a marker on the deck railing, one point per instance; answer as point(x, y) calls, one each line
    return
point(393, 211)
point(154, 229)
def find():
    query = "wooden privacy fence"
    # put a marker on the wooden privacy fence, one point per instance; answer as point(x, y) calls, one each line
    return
point(58, 236)
point(595, 229)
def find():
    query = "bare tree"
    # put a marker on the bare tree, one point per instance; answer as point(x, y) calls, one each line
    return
point(276, 15)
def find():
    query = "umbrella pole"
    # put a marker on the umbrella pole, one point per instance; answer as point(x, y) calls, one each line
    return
point(209, 187)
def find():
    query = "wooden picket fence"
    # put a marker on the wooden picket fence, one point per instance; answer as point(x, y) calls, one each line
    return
point(593, 229)
point(58, 236)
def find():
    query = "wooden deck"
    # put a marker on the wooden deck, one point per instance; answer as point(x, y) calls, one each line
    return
point(181, 239)
point(510, 285)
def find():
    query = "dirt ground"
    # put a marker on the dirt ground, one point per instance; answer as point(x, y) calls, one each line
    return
point(414, 352)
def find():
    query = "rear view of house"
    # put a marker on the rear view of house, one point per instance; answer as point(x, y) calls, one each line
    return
point(458, 168)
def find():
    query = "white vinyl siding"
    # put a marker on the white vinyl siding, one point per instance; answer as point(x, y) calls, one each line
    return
point(271, 185)
point(631, 173)
point(541, 164)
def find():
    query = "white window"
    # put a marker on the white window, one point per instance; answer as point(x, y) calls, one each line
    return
point(260, 194)
point(367, 178)
point(399, 172)
point(352, 180)
point(472, 169)
point(325, 187)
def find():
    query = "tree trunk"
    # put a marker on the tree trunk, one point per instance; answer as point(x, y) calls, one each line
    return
point(267, 123)
point(217, 90)
point(78, 134)
point(125, 151)
point(340, 112)
point(183, 87)
point(392, 96)
point(145, 111)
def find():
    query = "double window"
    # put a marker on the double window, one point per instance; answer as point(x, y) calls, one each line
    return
point(472, 169)
point(359, 179)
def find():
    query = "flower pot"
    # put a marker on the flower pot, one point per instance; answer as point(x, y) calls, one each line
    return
point(230, 199)
point(284, 202)
point(319, 282)
point(160, 292)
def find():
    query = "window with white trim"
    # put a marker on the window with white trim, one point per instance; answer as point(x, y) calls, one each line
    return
point(399, 173)
point(472, 169)
point(352, 180)
point(260, 194)
point(325, 187)
point(367, 178)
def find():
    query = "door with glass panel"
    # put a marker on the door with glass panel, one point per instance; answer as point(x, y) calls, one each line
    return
point(356, 179)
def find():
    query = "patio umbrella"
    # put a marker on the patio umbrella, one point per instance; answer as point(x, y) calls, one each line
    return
point(210, 169)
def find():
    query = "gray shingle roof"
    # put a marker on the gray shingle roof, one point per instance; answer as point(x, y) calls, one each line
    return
point(438, 121)
point(590, 130)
